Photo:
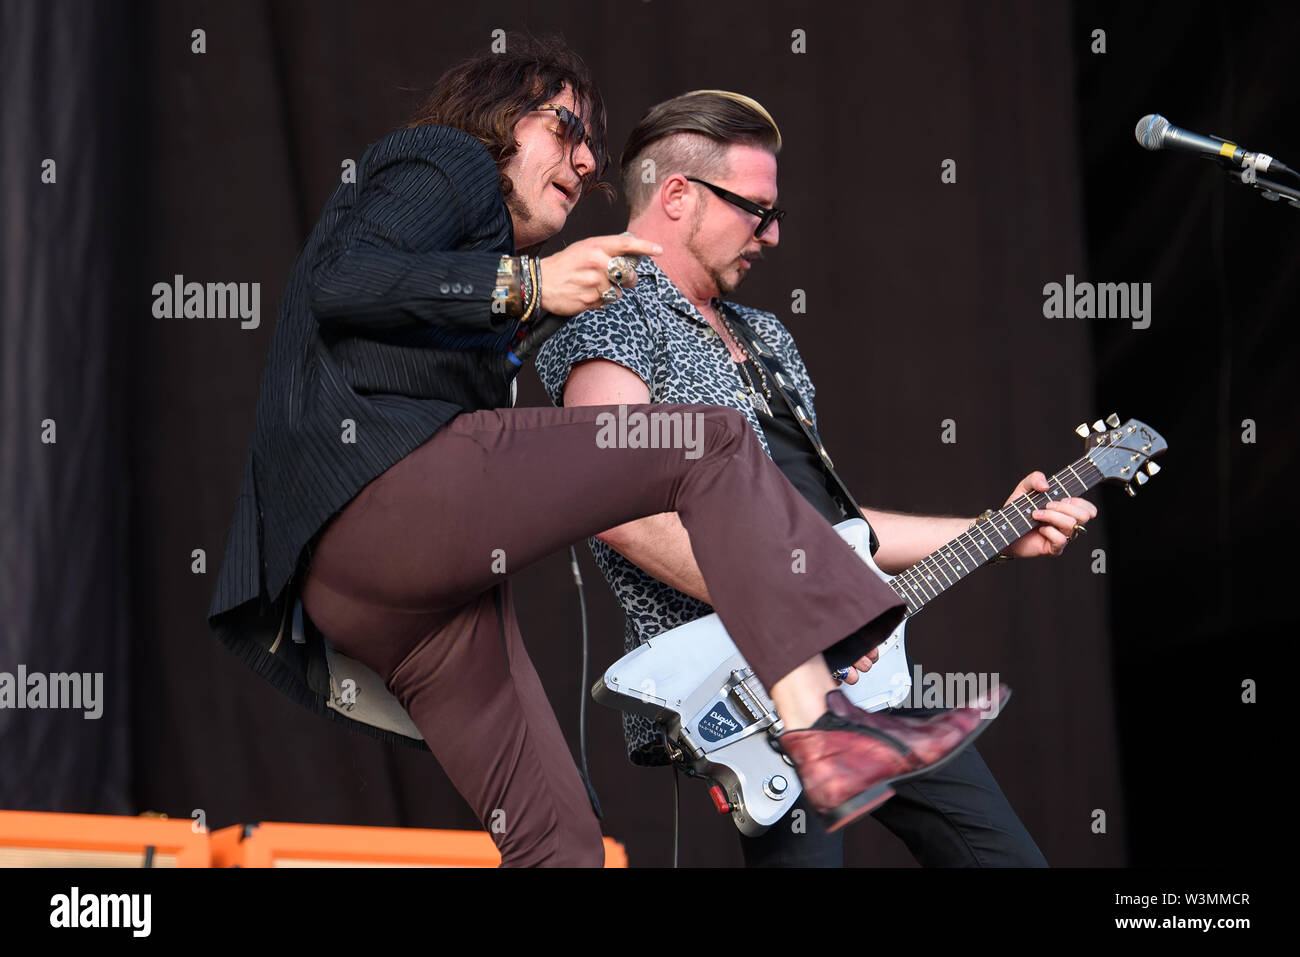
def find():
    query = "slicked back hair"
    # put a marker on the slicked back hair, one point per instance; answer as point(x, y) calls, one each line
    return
point(690, 134)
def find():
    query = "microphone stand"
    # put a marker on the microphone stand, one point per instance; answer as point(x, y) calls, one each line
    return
point(1270, 189)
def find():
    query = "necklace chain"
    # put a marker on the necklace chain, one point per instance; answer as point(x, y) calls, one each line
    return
point(756, 400)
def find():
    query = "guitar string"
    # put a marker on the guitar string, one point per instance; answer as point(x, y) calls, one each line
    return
point(946, 553)
point(911, 577)
point(918, 579)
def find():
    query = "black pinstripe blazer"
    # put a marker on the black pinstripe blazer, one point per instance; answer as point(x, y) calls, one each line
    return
point(385, 334)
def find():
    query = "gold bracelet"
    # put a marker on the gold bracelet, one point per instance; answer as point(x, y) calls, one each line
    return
point(536, 290)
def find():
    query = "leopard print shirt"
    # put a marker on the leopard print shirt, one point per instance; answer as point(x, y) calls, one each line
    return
point(656, 332)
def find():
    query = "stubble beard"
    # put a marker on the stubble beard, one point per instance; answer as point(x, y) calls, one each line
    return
point(520, 212)
point(724, 285)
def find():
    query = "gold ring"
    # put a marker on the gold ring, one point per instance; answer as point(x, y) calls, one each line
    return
point(1078, 530)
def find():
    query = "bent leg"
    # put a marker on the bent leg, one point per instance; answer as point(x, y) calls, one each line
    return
point(496, 490)
point(957, 816)
point(471, 689)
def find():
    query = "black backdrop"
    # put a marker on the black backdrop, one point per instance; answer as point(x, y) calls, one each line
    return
point(924, 304)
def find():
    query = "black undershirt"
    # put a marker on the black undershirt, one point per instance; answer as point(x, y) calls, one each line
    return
point(793, 454)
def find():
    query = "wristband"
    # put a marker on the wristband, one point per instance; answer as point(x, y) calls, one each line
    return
point(508, 290)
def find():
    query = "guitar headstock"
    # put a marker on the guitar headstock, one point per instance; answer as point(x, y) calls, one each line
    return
point(1119, 452)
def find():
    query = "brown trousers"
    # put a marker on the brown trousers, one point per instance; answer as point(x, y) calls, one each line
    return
point(410, 578)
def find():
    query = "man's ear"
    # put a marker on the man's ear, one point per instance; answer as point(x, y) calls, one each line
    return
point(675, 196)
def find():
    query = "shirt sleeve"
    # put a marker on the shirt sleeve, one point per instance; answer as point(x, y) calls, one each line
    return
point(392, 262)
point(618, 333)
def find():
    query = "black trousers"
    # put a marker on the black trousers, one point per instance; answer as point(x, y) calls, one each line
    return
point(954, 817)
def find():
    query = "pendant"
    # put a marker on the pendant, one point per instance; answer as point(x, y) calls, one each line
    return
point(759, 403)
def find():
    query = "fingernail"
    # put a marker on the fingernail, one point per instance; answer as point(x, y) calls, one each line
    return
point(658, 250)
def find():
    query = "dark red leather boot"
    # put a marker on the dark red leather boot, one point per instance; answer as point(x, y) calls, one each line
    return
point(850, 758)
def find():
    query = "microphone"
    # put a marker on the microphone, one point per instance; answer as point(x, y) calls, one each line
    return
point(1154, 132)
point(530, 339)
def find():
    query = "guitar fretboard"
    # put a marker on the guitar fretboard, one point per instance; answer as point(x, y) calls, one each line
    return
point(946, 566)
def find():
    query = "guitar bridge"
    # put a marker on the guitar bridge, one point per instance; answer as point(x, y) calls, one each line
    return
point(738, 709)
point(751, 703)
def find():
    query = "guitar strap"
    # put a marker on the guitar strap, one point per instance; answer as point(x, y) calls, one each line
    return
point(760, 350)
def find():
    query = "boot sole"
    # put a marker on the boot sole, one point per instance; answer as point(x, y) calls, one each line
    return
point(856, 807)
point(870, 799)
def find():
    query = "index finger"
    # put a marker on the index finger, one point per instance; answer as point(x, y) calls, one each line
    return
point(630, 245)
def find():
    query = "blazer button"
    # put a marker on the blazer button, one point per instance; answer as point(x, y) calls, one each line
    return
point(468, 289)
point(444, 289)
point(455, 287)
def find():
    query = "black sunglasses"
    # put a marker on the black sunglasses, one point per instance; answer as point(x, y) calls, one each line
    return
point(570, 122)
point(766, 217)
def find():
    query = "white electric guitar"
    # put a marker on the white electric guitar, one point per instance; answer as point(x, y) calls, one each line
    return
point(718, 720)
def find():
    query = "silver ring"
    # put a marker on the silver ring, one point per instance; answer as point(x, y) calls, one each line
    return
point(612, 294)
point(620, 269)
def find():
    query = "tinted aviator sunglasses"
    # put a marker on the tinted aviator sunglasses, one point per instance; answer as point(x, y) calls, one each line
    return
point(766, 217)
point(570, 122)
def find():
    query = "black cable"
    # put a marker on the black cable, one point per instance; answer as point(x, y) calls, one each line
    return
point(677, 807)
point(677, 794)
point(1218, 250)
point(582, 690)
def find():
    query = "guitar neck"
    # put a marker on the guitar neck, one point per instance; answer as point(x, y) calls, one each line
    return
point(946, 566)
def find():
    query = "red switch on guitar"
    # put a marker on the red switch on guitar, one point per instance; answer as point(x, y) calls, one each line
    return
point(720, 799)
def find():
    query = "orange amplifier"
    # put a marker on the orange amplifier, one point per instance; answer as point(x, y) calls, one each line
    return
point(321, 845)
point(39, 839)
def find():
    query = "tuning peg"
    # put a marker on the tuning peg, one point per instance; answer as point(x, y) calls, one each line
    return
point(1141, 478)
point(1112, 420)
point(1099, 426)
point(1081, 430)
point(1152, 468)
point(1131, 493)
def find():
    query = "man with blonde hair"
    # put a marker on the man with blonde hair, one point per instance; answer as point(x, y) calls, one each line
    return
point(699, 176)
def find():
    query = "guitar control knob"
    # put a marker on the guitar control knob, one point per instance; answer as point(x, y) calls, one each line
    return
point(776, 786)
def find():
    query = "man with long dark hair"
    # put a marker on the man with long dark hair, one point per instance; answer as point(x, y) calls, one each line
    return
point(391, 486)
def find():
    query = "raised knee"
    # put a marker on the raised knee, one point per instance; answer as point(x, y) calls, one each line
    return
point(730, 427)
